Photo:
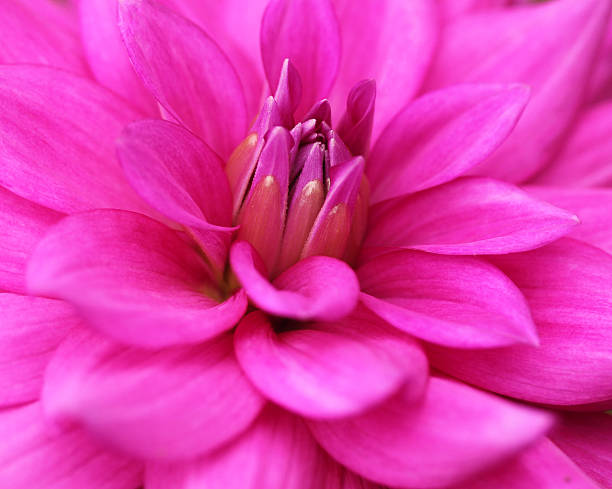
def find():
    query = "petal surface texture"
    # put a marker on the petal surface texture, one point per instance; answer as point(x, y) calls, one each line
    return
point(422, 444)
point(166, 404)
point(132, 278)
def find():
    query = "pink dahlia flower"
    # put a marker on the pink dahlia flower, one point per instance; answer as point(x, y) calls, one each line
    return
point(305, 244)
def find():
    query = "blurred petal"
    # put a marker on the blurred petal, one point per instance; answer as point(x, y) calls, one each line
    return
point(306, 32)
point(58, 140)
point(442, 135)
point(601, 79)
point(30, 330)
point(164, 404)
point(324, 371)
point(567, 286)
point(550, 47)
point(133, 279)
point(468, 216)
point(22, 225)
point(449, 9)
point(390, 41)
point(186, 72)
point(460, 302)
point(34, 455)
point(455, 432)
point(317, 287)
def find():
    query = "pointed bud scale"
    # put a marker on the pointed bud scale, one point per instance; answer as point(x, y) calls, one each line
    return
point(330, 232)
point(288, 93)
point(320, 111)
point(338, 152)
point(355, 127)
point(306, 202)
point(262, 216)
point(269, 116)
point(359, 223)
point(240, 167)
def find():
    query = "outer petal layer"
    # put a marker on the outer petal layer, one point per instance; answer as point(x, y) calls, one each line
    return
point(132, 278)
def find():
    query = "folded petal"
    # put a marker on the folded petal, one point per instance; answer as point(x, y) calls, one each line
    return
point(133, 279)
point(31, 35)
point(318, 287)
point(460, 302)
point(186, 72)
point(587, 440)
point(22, 225)
point(33, 454)
point(551, 48)
point(468, 216)
point(107, 56)
point(322, 370)
point(165, 404)
point(442, 135)
point(566, 285)
point(31, 328)
point(395, 41)
point(585, 158)
point(181, 177)
point(276, 452)
point(58, 133)
point(543, 466)
point(306, 32)
point(592, 206)
point(455, 432)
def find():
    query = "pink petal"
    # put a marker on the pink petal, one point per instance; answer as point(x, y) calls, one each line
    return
point(32, 328)
point(450, 9)
point(460, 302)
point(22, 225)
point(318, 287)
point(186, 72)
point(35, 455)
point(327, 370)
point(390, 41)
point(132, 278)
point(306, 32)
point(456, 431)
point(551, 48)
point(587, 440)
point(468, 216)
point(32, 34)
point(164, 404)
point(181, 177)
point(442, 135)
point(585, 158)
point(567, 287)
point(277, 452)
point(592, 206)
point(58, 134)
point(355, 127)
point(107, 56)
point(542, 466)
point(601, 79)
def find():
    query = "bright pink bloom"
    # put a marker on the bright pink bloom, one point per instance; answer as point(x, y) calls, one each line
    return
point(227, 270)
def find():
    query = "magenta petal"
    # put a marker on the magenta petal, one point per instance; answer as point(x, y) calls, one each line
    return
point(468, 216)
point(276, 452)
point(585, 158)
point(453, 433)
point(181, 177)
point(460, 302)
point(601, 79)
point(587, 440)
point(390, 41)
point(107, 55)
point(58, 140)
point(186, 72)
point(551, 48)
point(327, 371)
point(450, 9)
point(567, 286)
point(35, 455)
point(165, 404)
point(542, 466)
point(132, 278)
point(32, 328)
point(442, 135)
point(355, 127)
point(22, 225)
point(306, 32)
point(318, 287)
